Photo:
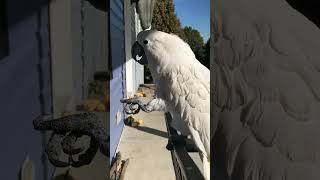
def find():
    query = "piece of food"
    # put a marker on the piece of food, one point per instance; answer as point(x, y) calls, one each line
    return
point(132, 121)
point(140, 94)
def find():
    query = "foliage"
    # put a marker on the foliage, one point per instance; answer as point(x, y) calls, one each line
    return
point(195, 40)
point(165, 18)
point(206, 60)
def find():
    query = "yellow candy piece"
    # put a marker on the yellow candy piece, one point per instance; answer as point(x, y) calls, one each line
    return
point(134, 122)
point(140, 94)
point(140, 121)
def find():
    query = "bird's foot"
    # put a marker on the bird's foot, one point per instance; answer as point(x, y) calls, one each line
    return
point(133, 105)
point(67, 130)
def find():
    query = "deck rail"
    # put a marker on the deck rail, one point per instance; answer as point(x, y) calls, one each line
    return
point(184, 166)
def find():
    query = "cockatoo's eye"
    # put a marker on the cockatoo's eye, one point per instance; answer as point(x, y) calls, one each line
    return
point(145, 42)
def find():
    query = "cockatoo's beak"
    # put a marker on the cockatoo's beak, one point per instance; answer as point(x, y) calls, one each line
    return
point(138, 54)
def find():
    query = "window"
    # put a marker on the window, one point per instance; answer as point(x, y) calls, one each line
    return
point(4, 44)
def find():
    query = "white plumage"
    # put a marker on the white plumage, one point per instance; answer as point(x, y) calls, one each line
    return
point(266, 89)
point(183, 83)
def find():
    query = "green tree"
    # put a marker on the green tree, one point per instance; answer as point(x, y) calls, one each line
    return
point(165, 18)
point(206, 60)
point(196, 42)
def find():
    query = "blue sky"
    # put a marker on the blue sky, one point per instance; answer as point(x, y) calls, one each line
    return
point(194, 13)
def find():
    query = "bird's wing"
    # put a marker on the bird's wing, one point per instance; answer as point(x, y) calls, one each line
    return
point(190, 96)
point(267, 82)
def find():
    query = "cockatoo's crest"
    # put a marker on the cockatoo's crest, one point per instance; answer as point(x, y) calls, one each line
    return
point(165, 48)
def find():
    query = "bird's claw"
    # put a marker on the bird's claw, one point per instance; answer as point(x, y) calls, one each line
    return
point(68, 144)
point(132, 105)
point(54, 152)
point(67, 130)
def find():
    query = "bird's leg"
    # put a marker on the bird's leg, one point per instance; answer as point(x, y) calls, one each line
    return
point(133, 105)
point(155, 104)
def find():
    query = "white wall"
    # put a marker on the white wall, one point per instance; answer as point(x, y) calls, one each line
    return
point(74, 24)
point(134, 71)
point(61, 52)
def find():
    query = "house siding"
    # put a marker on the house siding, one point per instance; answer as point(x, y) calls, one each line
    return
point(117, 84)
point(127, 73)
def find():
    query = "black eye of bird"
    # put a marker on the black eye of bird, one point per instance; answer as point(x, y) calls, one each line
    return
point(145, 42)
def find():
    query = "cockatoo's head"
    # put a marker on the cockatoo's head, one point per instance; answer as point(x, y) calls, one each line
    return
point(155, 45)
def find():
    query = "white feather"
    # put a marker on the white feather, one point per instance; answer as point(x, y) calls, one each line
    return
point(184, 84)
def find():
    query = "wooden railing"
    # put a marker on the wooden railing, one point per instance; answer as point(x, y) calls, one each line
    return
point(184, 166)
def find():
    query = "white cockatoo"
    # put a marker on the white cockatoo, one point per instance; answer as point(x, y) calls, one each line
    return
point(182, 86)
point(265, 92)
